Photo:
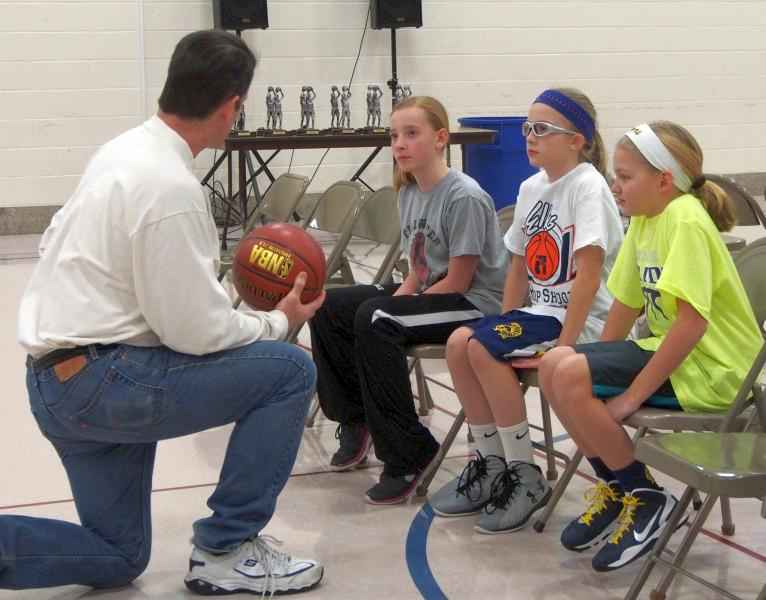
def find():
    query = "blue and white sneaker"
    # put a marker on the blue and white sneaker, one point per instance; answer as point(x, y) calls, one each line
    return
point(255, 567)
point(645, 513)
point(596, 524)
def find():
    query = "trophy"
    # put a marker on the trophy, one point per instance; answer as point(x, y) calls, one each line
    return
point(307, 110)
point(402, 92)
point(334, 108)
point(274, 97)
point(345, 107)
point(374, 94)
point(340, 110)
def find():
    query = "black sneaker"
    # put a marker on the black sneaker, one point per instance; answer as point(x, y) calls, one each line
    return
point(395, 487)
point(596, 524)
point(355, 442)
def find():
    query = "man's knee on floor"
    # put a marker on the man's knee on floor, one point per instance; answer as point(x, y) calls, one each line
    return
point(136, 559)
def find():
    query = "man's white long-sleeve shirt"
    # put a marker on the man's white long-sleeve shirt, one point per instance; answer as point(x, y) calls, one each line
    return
point(133, 257)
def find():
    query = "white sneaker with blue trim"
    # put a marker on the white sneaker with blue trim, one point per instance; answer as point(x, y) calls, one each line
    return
point(255, 567)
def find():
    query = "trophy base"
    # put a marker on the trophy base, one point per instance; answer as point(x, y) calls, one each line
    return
point(241, 132)
point(263, 131)
point(337, 131)
point(373, 130)
point(310, 131)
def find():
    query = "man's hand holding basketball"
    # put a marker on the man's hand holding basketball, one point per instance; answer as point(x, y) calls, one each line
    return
point(298, 313)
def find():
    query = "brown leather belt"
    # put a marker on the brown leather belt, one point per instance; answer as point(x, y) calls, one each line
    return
point(68, 362)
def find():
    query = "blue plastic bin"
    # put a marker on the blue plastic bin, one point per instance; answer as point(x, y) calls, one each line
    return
point(502, 166)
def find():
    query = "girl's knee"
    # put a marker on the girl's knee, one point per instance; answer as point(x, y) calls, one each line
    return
point(570, 372)
point(553, 358)
point(477, 353)
point(457, 343)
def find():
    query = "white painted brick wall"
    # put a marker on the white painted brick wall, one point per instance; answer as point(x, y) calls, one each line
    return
point(74, 73)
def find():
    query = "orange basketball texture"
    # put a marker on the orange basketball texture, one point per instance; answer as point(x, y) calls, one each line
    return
point(269, 258)
point(542, 256)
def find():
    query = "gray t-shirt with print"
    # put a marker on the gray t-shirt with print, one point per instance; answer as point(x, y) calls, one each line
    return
point(456, 218)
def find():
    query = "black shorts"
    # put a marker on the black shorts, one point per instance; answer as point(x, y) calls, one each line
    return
point(613, 367)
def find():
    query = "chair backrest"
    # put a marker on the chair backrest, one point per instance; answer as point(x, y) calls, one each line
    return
point(505, 217)
point(379, 222)
point(379, 217)
point(280, 199)
point(333, 209)
point(751, 265)
point(336, 211)
point(750, 392)
point(747, 209)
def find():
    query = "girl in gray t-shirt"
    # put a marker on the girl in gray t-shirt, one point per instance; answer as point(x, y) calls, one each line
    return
point(450, 233)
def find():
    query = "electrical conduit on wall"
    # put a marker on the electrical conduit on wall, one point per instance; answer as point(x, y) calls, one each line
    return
point(141, 62)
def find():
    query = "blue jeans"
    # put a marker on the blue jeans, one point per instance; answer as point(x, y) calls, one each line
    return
point(105, 423)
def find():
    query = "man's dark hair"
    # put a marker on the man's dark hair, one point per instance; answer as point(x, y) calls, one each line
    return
point(206, 69)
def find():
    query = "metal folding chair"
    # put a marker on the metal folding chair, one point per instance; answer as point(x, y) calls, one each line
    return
point(727, 464)
point(336, 211)
point(378, 222)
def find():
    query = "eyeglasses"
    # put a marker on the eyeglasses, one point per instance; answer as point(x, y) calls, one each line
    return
point(543, 128)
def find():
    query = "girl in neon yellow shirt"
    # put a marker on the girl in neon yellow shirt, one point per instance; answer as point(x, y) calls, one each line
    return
point(674, 266)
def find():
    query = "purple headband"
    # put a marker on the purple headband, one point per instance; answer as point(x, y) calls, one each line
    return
point(571, 110)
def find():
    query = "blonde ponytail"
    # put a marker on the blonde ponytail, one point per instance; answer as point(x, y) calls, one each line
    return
point(688, 153)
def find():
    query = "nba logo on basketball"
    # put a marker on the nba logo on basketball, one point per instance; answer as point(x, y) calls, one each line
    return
point(271, 259)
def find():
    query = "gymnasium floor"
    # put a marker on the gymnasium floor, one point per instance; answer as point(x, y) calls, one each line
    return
point(369, 552)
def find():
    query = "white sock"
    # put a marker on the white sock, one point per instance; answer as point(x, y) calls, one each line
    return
point(516, 442)
point(487, 440)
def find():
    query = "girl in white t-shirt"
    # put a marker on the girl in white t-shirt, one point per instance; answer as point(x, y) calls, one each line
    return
point(563, 241)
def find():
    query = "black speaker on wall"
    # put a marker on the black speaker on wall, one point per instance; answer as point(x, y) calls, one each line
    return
point(238, 15)
point(392, 14)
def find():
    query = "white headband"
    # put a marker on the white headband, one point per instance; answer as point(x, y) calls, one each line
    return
point(658, 155)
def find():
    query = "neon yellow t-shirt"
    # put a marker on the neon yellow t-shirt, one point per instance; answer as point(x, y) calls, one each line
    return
point(680, 254)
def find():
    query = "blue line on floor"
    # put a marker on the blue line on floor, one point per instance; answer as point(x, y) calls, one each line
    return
point(417, 557)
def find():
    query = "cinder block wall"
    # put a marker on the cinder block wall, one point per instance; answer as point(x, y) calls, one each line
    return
point(75, 73)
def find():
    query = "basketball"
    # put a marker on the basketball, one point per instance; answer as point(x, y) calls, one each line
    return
point(269, 258)
point(542, 256)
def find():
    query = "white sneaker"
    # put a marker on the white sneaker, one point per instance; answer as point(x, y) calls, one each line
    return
point(255, 567)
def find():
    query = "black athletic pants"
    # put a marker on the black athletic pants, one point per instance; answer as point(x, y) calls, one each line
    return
point(358, 339)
